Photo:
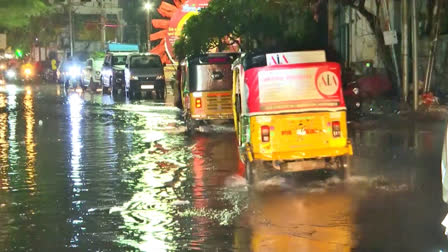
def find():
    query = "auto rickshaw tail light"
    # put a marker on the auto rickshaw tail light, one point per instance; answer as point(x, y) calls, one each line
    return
point(336, 126)
point(198, 103)
point(265, 133)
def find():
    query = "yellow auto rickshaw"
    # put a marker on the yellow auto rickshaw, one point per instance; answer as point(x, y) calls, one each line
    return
point(206, 88)
point(289, 111)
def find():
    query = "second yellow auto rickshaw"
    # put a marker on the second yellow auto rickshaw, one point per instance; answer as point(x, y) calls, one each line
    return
point(289, 112)
point(206, 88)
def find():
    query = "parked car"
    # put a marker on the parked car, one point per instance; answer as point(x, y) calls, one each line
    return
point(112, 72)
point(91, 72)
point(144, 73)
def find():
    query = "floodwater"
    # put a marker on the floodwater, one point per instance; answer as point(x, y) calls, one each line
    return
point(90, 172)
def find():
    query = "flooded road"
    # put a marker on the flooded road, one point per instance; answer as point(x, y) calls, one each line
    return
point(87, 172)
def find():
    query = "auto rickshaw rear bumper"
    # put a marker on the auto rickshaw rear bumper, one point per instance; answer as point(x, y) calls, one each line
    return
point(220, 116)
point(305, 154)
point(327, 158)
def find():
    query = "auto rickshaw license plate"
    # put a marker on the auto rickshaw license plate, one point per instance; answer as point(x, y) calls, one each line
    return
point(147, 87)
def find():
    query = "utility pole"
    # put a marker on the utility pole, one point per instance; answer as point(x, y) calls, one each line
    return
point(405, 48)
point(392, 47)
point(414, 53)
point(70, 24)
point(103, 25)
point(433, 50)
point(148, 7)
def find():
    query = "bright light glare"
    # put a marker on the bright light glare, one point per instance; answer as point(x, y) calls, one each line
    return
point(75, 71)
point(11, 74)
point(148, 6)
point(12, 89)
point(28, 90)
point(27, 71)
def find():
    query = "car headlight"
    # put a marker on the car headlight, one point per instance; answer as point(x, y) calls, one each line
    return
point(160, 77)
point(133, 77)
point(27, 71)
point(10, 74)
point(74, 71)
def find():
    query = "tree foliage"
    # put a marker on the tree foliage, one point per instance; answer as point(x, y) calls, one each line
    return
point(252, 25)
point(25, 20)
point(18, 13)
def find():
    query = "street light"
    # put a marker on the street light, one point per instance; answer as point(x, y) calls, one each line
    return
point(148, 8)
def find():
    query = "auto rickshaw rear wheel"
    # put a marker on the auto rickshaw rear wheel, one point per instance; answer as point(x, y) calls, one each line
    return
point(191, 124)
point(344, 167)
point(249, 172)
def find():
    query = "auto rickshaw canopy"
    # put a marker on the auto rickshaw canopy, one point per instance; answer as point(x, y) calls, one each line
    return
point(292, 87)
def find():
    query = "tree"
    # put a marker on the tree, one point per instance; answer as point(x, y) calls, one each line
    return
point(252, 25)
point(18, 13)
point(25, 20)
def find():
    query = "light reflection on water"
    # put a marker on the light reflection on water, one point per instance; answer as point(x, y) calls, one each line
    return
point(4, 181)
point(126, 177)
point(150, 214)
point(14, 172)
point(76, 105)
point(30, 145)
point(317, 222)
point(14, 176)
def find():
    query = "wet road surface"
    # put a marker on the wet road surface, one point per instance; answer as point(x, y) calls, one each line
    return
point(88, 172)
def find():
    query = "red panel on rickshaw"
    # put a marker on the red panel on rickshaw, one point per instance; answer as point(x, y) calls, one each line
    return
point(294, 87)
